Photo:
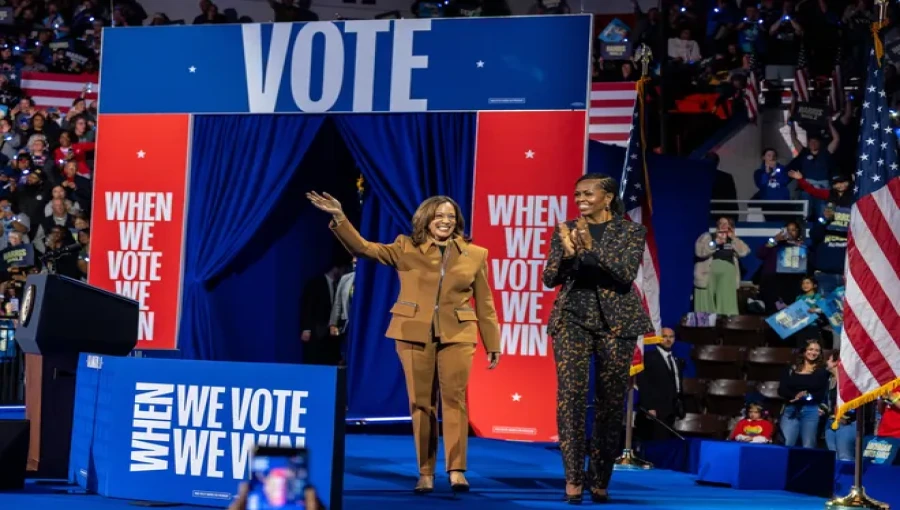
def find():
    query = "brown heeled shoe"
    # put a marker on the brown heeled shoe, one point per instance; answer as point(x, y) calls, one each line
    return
point(425, 484)
point(458, 483)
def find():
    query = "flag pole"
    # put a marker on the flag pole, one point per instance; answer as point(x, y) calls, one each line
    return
point(628, 460)
point(857, 498)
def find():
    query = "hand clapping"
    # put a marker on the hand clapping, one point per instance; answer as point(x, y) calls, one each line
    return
point(568, 243)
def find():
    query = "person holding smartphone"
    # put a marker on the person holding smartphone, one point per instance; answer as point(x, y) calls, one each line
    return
point(434, 325)
point(717, 271)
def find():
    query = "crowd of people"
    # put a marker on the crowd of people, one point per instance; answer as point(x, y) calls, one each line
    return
point(718, 46)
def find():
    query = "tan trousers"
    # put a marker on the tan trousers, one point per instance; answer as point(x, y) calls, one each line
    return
point(428, 368)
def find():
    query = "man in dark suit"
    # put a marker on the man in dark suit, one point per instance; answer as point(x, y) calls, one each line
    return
point(319, 347)
point(660, 386)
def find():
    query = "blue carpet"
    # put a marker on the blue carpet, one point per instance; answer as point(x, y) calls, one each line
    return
point(380, 471)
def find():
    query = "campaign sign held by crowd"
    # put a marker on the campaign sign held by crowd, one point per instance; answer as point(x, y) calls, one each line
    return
point(177, 431)
point(405, 65)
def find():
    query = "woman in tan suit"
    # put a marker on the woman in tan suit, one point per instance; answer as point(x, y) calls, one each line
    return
point(434, 324)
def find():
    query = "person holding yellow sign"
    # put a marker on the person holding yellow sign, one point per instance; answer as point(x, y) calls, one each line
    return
point(829, 232)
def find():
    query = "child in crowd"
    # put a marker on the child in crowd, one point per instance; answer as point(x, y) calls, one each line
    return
point(755, 428)
point(810, 293)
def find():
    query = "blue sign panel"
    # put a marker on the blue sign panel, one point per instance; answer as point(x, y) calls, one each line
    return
point(408, 65)
point(178, 431)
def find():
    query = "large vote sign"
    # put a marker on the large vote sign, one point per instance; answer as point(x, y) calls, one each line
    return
point(156, 78)
point(176, 431)
point(407, 65)
point(525, 173)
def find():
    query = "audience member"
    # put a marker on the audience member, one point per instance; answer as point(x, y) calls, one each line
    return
point(843, 440)
point(717, 271)
point(754, 427)
point(777, 288)
point(803, 386)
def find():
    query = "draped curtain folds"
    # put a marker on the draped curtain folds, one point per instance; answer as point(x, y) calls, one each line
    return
point(238, 163)
point(404, 158)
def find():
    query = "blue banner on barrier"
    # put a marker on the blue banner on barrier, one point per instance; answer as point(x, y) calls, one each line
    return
point(179, 431)
point(408, 65)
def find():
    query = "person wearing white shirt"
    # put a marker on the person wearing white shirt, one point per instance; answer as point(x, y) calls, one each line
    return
point(684, 49)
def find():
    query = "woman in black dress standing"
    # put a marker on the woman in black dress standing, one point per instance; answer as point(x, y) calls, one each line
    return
point(595, 260)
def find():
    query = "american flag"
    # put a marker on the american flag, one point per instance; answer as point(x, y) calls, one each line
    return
point(870, 346)
point(801, 84)
point(836, 94)
point(610, 115)
point(751, 97)
point(58, 90)
point(634, 190)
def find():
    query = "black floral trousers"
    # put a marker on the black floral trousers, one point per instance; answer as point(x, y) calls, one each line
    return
point(573, 348)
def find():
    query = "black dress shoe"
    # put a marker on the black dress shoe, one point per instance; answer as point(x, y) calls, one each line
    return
point(574, 499)
point(600, 497)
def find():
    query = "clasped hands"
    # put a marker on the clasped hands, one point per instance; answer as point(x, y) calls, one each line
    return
point(575, 241)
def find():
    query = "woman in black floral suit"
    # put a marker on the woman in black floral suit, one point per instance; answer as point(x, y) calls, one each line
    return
point(597, 312)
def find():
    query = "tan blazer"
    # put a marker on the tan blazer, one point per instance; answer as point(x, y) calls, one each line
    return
point(423, 291)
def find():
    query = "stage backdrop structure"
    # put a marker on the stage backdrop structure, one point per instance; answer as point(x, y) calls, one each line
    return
point(198, 121)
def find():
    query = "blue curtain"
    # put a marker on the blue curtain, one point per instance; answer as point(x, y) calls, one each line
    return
point(240, 166)
point(404, 160)
point(677, 184)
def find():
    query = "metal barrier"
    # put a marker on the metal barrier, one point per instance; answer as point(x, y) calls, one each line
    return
point(12, 364)
point(758, 211)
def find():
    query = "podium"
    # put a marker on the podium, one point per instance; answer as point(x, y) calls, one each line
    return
point(59, 318)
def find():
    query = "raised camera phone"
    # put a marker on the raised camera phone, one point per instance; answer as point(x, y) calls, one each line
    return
point(279, 478)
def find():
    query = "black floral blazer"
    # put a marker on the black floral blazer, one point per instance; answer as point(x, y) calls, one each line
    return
point(619, 254)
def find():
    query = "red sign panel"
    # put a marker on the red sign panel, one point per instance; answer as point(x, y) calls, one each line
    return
point(526, 166)
point(137, 229)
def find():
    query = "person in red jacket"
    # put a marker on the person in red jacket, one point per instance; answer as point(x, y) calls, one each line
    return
point(889, 426)
point(840, 194)
point(67, 151)
point(754, 428)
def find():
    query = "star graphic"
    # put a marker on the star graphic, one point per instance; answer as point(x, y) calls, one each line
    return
point(192, 69)
point(141, 154)
point(479, 64)
point(516, 397)
point(529, 154)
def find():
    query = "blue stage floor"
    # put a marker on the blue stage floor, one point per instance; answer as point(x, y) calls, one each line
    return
point(380, 471)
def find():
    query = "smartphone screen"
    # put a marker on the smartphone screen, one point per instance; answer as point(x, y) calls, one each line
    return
point(278, 479)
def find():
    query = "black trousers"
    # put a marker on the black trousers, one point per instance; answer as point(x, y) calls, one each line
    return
point(573, 348)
